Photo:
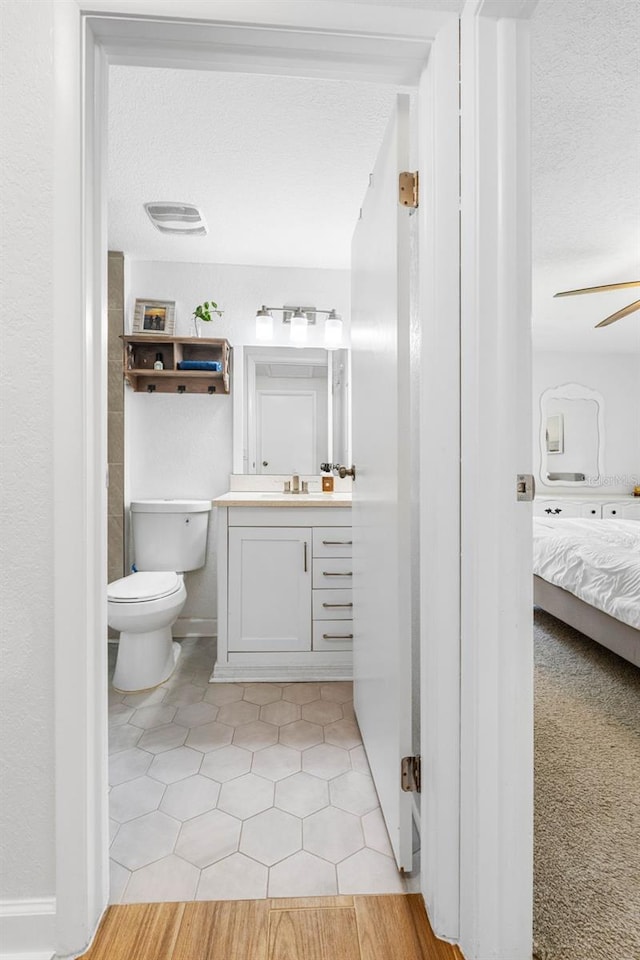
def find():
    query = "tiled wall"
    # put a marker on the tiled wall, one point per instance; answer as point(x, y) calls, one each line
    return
point(115, 427)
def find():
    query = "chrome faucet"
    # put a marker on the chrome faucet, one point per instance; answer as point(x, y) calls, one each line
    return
point(295, 486)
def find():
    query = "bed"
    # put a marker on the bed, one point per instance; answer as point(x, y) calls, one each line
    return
point(587, 573)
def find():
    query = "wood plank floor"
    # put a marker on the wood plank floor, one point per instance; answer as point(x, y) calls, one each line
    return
point(391, 927)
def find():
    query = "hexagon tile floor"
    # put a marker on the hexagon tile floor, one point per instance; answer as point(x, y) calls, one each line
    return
point(233, 791)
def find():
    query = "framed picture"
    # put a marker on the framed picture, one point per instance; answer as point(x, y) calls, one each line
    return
point(155, 317)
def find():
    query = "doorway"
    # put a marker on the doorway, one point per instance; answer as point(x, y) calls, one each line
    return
point(197, 770)
point(482, 856)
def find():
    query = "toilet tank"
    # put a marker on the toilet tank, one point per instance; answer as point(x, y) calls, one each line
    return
point(170, 534)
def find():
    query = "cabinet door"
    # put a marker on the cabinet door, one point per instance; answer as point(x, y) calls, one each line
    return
point(269, 589)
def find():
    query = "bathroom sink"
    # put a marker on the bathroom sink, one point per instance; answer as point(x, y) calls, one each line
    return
point(276, 497)
point(287, 496)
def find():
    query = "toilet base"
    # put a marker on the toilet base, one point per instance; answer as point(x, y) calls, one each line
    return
point(145, 660)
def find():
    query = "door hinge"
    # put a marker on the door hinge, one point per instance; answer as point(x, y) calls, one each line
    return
point(410, 774)
point(408, 189)
point(525, 486)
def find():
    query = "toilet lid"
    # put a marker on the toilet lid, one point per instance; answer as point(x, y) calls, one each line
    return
point(144, 586)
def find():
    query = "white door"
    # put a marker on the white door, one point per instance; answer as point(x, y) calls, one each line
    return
point(286, 432)
point(269, 589)
point(381, 564)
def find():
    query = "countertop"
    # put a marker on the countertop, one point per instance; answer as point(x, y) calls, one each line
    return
point(236, 498)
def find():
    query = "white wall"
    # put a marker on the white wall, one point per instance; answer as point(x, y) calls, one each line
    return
point(617, 377)
point(181, 446)
point(27, 854)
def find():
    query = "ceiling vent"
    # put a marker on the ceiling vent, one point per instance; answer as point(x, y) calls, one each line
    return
point(177, 218)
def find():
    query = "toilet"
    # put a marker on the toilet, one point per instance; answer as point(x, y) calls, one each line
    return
point(169, 538)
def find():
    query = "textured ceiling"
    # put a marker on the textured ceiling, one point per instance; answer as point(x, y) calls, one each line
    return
point(279, 165)
point(585, 169)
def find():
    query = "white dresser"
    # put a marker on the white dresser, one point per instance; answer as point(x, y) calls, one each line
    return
point(596, 508)
point(284, 587)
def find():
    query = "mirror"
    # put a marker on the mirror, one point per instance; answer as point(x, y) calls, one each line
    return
point(292, 410)
point(571, 435)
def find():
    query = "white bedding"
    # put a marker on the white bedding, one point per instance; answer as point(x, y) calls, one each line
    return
point(596, 560)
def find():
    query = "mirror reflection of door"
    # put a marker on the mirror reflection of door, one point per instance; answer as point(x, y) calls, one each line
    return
point(341, 407)
point(288, 410)
point(286, 431)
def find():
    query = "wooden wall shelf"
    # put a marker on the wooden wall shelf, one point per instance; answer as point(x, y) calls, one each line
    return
point(140, 354)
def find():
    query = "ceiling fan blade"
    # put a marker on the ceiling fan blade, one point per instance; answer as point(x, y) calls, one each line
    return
point(620, 314)
point(605, 286)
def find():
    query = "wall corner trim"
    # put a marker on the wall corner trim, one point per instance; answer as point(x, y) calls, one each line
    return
point(27, 929)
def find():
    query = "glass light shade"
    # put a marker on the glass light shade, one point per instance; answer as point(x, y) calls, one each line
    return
point(264, 326)
point(333, 329)
point(299, 328)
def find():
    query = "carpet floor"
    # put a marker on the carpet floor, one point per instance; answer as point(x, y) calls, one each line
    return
point(587, 798)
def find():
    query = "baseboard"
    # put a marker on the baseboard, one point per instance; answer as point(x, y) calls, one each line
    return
point(27, 929)
point(194, 627)
point(252, 673)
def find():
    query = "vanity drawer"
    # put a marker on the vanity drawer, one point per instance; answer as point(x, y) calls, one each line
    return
point(332, 605)
point(329, 635)
point(332, 541)
point(332, 572)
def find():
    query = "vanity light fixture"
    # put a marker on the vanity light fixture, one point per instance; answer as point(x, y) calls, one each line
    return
point(264, 325)
point(300, 319)
point(299, 326)
point(333, 329)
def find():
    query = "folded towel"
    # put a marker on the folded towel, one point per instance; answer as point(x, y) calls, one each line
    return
point(200, 365)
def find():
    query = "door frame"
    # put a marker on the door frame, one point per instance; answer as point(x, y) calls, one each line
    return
point(275, 37)
point(496, 623)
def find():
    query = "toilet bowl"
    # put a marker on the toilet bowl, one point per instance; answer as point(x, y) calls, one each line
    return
point(143, 607)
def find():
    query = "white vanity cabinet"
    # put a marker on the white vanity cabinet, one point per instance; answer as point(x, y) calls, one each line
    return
point(284, 590)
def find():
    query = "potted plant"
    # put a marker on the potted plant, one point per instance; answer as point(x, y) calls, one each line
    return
point(205, 311)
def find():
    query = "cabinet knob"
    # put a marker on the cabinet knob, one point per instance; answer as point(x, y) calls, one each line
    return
point(265, 463)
